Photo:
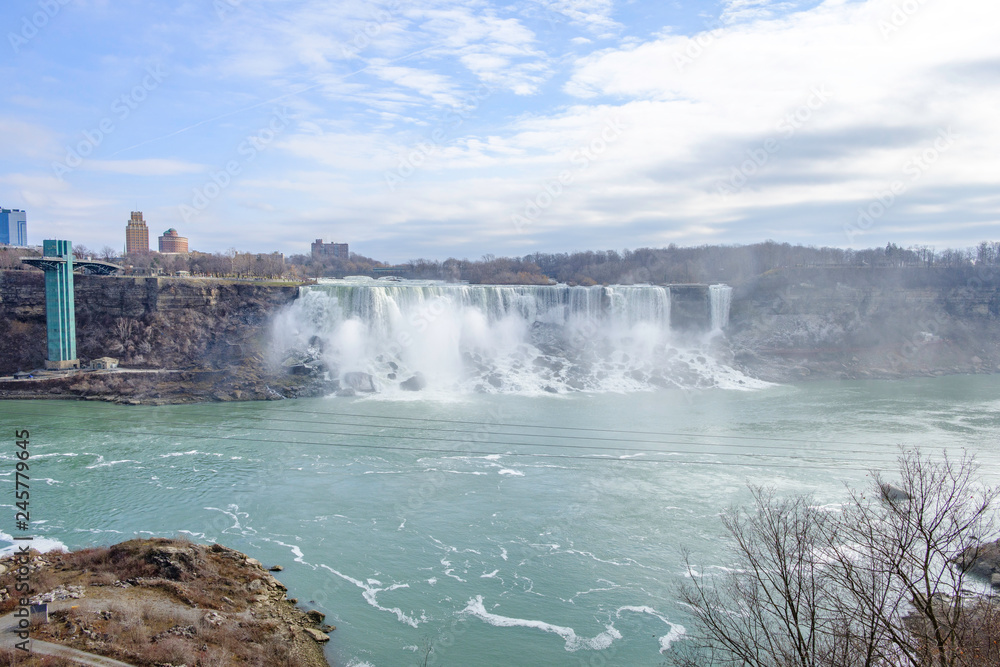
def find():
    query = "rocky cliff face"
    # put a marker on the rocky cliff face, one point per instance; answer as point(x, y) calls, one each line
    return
point(156, 323)
point(854, 323)
point(153, 322)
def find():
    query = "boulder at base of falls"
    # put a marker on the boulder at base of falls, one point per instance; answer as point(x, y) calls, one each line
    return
point(415, 383)
point(359, 381)
point(893, 493)
point(982, 560)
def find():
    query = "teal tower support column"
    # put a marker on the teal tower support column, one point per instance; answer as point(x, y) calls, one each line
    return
point(60, 305)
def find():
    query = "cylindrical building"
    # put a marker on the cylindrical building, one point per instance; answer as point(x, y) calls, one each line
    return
point(171, 241)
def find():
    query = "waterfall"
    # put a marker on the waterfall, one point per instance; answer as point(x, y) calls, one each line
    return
point(494, 338)
point(722, 297)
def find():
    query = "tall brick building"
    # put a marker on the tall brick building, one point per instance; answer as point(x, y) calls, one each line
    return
point(338, 250)
point(136, 235)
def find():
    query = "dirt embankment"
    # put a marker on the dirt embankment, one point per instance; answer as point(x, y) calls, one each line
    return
point(166, 602)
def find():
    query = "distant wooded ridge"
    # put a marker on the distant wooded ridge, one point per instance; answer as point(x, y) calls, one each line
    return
point(673, 264)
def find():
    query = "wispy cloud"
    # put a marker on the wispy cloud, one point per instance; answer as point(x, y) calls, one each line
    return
point(144, 167)
point(593, 15)
point(752, 10)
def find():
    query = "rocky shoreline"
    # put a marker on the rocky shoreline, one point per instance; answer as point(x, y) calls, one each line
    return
point(166, 387)
point(156, 602)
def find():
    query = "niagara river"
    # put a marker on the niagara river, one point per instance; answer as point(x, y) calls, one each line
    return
point(487, 528)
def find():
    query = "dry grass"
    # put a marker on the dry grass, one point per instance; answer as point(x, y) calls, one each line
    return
point(171, 610)
point(22, 659)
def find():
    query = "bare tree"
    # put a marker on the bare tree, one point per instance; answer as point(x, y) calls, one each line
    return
point(770, 608)
point(881, 584)
point(899, 575)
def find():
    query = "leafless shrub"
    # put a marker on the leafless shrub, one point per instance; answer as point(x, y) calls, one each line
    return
point(171, 650)
point(875, 586)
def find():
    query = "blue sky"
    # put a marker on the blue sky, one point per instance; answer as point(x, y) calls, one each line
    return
point(437, 128)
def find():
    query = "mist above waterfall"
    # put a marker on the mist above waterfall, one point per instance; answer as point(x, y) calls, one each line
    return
point(516, 339)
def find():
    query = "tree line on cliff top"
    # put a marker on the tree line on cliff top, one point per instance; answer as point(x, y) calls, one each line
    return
point(673, 264)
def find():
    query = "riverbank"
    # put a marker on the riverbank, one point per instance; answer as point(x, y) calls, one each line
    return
point(158, 601)
point(165, 387)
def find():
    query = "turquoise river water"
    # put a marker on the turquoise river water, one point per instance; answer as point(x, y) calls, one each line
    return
point(492, 529)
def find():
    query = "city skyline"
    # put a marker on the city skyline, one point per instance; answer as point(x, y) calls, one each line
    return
point(448, 129)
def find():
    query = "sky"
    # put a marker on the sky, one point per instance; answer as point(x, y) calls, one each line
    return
point(449, 128)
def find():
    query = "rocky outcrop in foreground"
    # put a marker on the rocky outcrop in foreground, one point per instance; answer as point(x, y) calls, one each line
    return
point(168, 602)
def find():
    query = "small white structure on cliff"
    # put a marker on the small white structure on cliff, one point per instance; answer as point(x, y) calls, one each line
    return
point(104, 364)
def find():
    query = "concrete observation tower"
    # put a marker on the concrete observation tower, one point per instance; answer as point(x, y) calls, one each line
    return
point(60, 306)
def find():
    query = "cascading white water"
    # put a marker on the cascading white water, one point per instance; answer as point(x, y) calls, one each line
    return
point(722, 298)
point(491, 338)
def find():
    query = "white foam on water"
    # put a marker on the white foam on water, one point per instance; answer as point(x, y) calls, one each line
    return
point(370, 595)
point(98, 531)
point(448, 573)
point(626, 562)
point(40, 544)
point(234, 513)
point(477, 609)
point(513, 473)
point(297, 552)
point(676, 632)
point(105, 464)
point(594, 590)
point(491, 575)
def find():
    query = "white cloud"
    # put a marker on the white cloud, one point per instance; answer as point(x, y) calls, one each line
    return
point(144, 167)
point(436, 87)
point(593, 15)
point(752, 10)
point(21, 139)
